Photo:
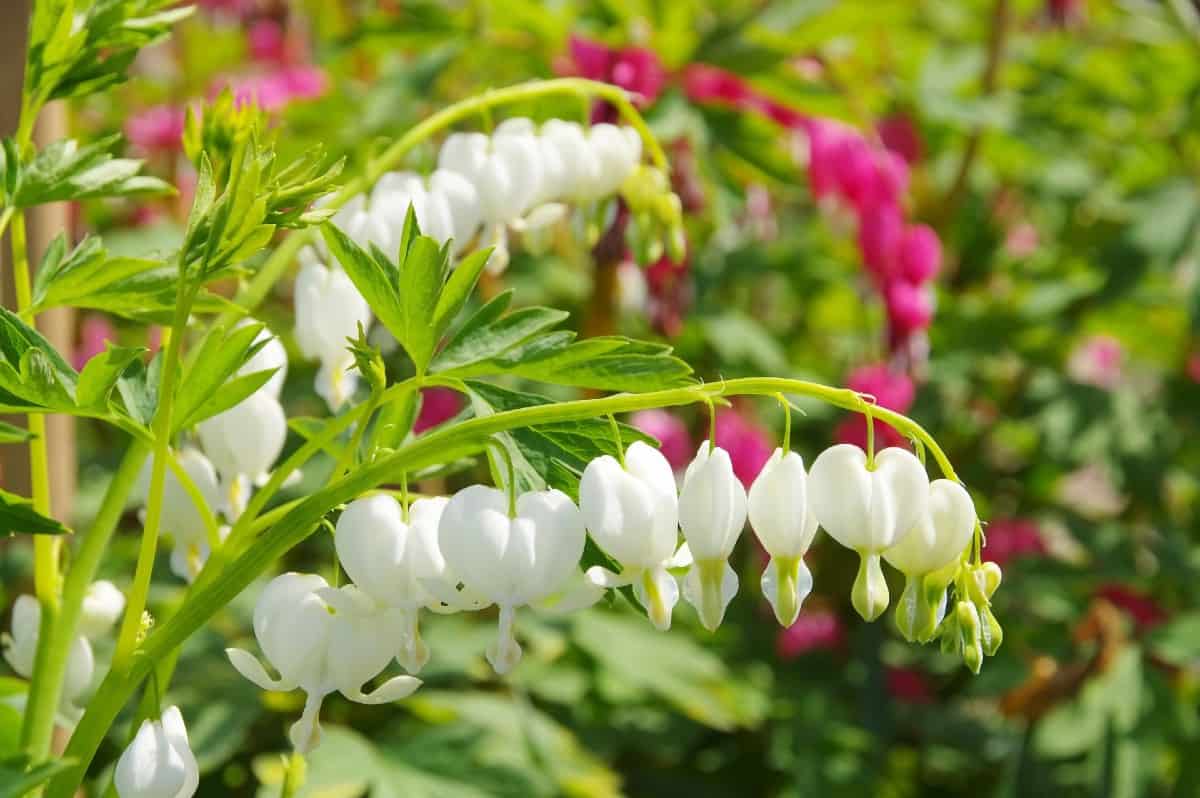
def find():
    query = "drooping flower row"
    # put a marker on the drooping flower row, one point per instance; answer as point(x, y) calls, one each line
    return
point(519, 179)
point(484, 546)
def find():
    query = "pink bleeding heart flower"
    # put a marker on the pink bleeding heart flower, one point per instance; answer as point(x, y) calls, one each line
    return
point(920, 254)
point(95, 333)
point(909, 685)
point(748, 444)
point(1145, 611)
point(639, 70)
point(909, 307)
point(814, 630)
point(675, 442)
point(1097, 361)
point(899, 134)
point(266, 41)
point(157, 129)
point(592, 59)
point(273, 91)
point(1193, 367)
point(438, 405)
point(1010, 538)
point(892, 389)
point(880, 229)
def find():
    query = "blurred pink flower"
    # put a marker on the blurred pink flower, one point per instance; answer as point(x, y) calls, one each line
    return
point(920, 254)
point(672, 434)
point(438, 405)
point(266, 41)
point(813, 630)
point(899, 134)
point(635, 69)
point(892, 389)
point(95, 333)
point(909, 307)
point(156, 129)
point(748, 444)
point(1145, 611)
point(909, 685)
point(880, 230)
point(1064, 12)
point(1090, 491)
point(1021, 240)
point(154, 336)
point(279, 88)
point(1097, 361)
point(1193, 367)
point(1009, 538)
point(670, 294)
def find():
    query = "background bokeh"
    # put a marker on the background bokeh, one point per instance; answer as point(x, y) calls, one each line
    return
point(986, 213)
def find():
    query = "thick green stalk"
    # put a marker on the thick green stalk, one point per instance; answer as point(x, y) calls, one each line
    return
point(37, 727)
point(205, 600)
point(131, 624)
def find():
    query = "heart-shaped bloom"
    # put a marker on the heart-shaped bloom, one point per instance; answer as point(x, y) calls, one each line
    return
point(20, 649)
point(618, 150)
point(271, 355)
point(322, 639)
point(785, 525)
point(365, 226)
point(159, 762)
point(329, 310)
point(632, 512)
point(712, 512)
point(580, 161)
point(397, 563)
point(868, 509)
point(505, 169)
point(511, 560)
point(244, 442)
point(935, 542)
point(103, 604)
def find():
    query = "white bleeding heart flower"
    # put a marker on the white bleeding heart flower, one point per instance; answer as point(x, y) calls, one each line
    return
point(322, 640)
point(398, 564)
point(102, 606)
point(20, 649)
point(188, 557)
point(243, 443)
point(329, 310)
point(712, 512)
point(868, 510)
point(271, 355)
point(928, 554)
point(581, 163)
point(505, 170)
point(617, 152)
point(632, 512)
point(364, 227)
point(181, 518)
point(785, 525)
point(159, 763)
point(391, 199)
point(511, 559)
point(462, 204)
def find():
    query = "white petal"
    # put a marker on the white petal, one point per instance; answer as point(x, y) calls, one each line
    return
point(658, 592)
point(505, 653)
point(712, 505)
point(251, 669)
point(940, 534)
point(778, 506)
point(393, 689)
point(709, 587)
point(102, 607)
point(786, 582)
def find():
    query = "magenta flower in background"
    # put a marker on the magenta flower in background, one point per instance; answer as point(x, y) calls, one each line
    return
point(156, 129)
point(909, 685)
point(635, 69)
point(1193, 367)
point(266, 41)
point(899, 134)
point(748, 444)
point(1143, 609)
point(880, 231)
point(814, 630)
point(1097, 361)
point(438, 405)
point(892, 389)
point(96, 332)
point(670, 294)
point(1009, 538)
point(277, 89)
point(919, 257)
point(909, 307)
point(672, 434)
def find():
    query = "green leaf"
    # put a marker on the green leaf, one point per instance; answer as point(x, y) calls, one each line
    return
point(230, 394)
point(17, 779)
point(374, 278)
point(479, 342)
point(100, 375)
point(18, 516)
point(64, 170)
point(11, 434)
point(458, 288)
point(422, 269)
point(217, 361)
point(139, 389)
point(606, 363)
point(32, 372)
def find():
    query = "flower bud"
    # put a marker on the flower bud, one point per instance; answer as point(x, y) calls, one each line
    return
point(511, 560)
point(868, 510)
point(103, 604)
point(712, 512)
point(632, 512)
point(270, 355)
point(970, 635)
point(778, 507)
point(329, 310)
point(20, 650)
point(244, 442)
point(159, 762)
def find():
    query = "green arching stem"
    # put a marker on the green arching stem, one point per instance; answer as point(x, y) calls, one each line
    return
point(204, 600)
point(254, 291)
point(211, 530)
